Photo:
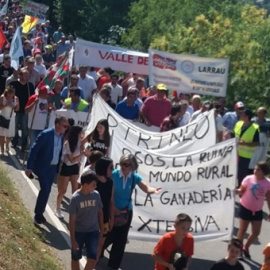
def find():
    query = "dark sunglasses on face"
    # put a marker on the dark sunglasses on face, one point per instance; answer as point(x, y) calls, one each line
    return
point(126, 165)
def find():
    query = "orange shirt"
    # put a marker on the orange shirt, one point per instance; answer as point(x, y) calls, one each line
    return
point(266, 252)
point(167, 245)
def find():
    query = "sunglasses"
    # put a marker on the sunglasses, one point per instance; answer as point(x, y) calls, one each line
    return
point(126, 165)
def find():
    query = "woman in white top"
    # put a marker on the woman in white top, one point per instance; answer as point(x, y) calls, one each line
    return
point(71, 157)
point(8, 103)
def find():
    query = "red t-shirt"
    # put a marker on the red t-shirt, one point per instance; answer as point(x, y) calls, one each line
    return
point(156, 109)
point(102, 80)
point(167, 245)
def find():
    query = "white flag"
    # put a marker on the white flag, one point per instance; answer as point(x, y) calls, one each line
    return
point(16, 49)
point(3, 11)
point(70, 58)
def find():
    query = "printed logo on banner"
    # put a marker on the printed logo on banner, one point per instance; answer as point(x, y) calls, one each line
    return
point(164, 62)
point(187, 66)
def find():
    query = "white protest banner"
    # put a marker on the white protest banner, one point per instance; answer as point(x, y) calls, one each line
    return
point(200, 183)
point(99, 55)
point(80, 118)
point(260, 152)
point(189, 73)
point(198, 134)
point(37, 10)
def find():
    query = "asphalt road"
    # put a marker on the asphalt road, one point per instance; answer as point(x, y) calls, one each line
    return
point(137, 255)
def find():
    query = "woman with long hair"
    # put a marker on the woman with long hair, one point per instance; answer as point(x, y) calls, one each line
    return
point(100, 138)
point(71, 157)
point(8, 103)
point(254, 190)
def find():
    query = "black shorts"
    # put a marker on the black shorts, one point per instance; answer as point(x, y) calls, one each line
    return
point(246, 214)
point(69, 170)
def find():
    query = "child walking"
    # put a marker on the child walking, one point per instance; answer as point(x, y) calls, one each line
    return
point(85, 221)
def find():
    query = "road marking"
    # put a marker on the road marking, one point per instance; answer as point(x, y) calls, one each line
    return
point(58, 224)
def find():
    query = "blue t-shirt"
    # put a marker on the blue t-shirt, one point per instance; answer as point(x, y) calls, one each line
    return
point(127, 112)
point(122, 191)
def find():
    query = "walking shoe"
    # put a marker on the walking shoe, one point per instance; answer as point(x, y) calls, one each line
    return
point(58, 213)
point(246, 253)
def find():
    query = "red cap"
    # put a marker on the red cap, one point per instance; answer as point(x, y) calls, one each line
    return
point(239, 105)
point(43, 90)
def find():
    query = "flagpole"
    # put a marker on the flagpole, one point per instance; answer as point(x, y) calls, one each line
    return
point(28, 140)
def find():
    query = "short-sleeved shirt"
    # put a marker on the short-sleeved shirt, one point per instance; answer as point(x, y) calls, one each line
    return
point(127, 112)
point(86, 208)
point(116, 92)
point(100, 146)
point(229, 120)
point(266, 252)
point(156, 110)
point(122, 189)
point(253, 197)
point(66, 151)
point(223, 265)
point(167, 245)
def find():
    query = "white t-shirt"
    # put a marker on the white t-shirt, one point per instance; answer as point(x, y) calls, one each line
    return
point(41, 70)
point(40, 117)
point(66, 151)
point(87, 84)
point(116, 92)
point(184, 120)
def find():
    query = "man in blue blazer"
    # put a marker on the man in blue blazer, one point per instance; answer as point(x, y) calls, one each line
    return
point(43, 160)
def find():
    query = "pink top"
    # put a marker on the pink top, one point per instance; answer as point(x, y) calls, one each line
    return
point(156, 110)
point(254, 195)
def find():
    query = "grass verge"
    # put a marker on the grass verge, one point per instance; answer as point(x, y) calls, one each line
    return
point(21, 245)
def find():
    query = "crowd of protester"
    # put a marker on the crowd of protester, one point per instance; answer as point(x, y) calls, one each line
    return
point(101, 204)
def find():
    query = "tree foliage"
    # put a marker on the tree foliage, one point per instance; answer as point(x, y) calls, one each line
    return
point(92, 19)
point(245, 40)
point(148, 19)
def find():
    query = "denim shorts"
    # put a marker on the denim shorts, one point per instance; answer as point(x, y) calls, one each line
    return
point(90, 241)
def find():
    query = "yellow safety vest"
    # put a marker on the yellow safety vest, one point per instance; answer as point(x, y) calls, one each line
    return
point(82, 105)
point(244, 150)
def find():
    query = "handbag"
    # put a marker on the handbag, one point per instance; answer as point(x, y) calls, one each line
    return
point(122, 219)
point(4, 122)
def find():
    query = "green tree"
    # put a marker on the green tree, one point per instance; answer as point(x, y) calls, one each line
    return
point(245, 40)
point(149, 19)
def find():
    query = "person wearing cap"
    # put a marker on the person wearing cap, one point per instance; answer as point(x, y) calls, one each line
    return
point(206, 106)
point(5, 71)
point(75, 102)
point(196, 103)
point(48, 57)
point(127, 108)
point(231, 118)
point(23, 90)
point(34, 76)
point(157, 107)
point(247, 134)
point(37, 109)
point(171, 122)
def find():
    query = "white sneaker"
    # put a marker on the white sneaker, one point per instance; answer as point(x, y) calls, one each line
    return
point(58, 213)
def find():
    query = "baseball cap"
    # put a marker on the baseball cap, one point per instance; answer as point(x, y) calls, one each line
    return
point(239, 105)
point(43, 90)
point(161, 87)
